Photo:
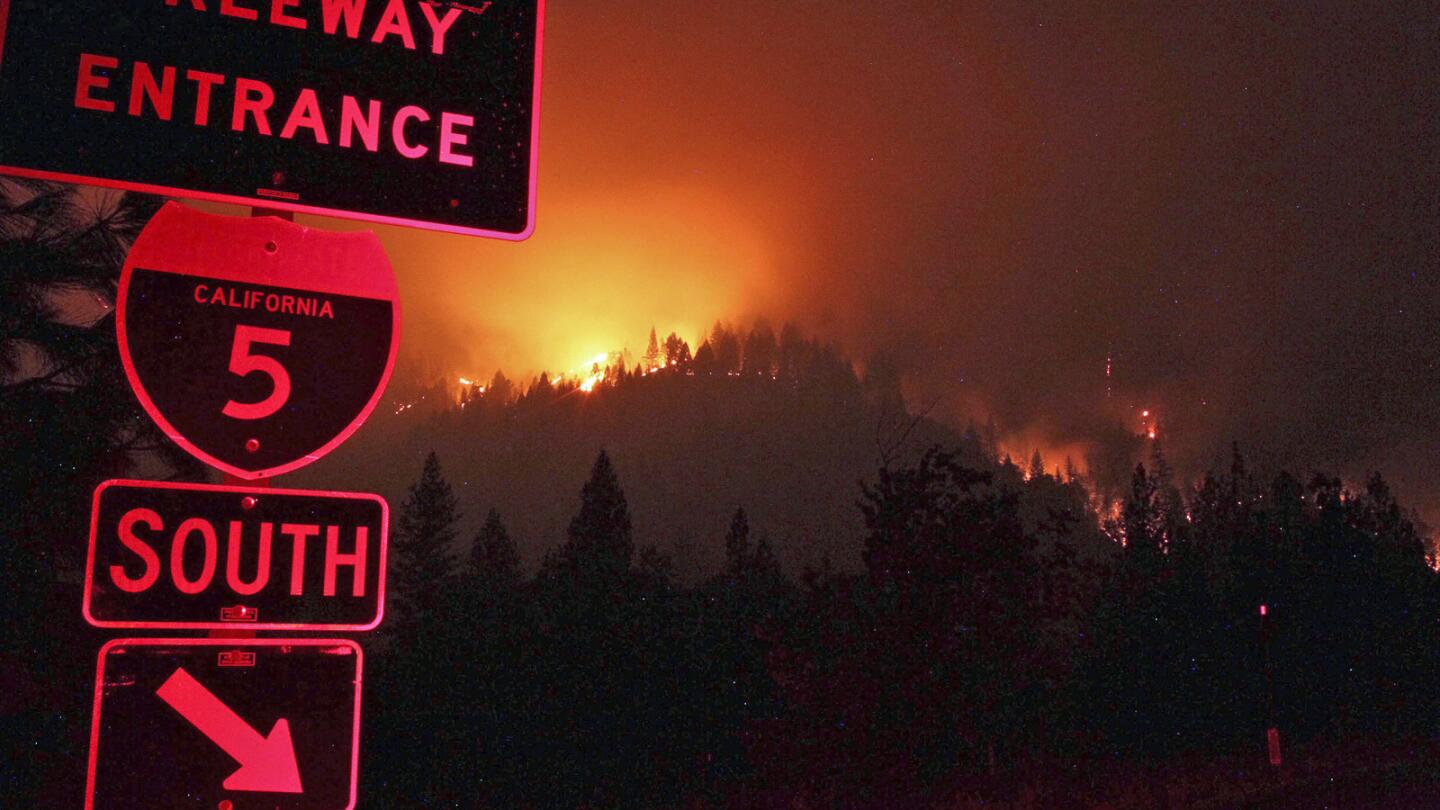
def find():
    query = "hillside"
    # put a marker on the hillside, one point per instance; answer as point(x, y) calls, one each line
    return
point(692, 440)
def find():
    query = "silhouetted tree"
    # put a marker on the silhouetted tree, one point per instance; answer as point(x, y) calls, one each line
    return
point(882, 389)
point(651, 359)
point(68, 422)
point(677, 351)
point(726, 346)
point(493, 554)
point(737, 542)
point(1141, 521)
point(790, 353)
point(761, 355)
point(423, 555)
point(501, 390)
point(705, 362)
point(1037, 466)
point(932, 660)
point(599, 546)
point(990, 439)
point(542, 390)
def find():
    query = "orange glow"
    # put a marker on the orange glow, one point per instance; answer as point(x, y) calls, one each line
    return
point(600, 270)
point(1054, 454)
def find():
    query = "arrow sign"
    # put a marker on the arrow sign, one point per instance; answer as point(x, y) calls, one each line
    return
point(156, 697)
point(267, 764)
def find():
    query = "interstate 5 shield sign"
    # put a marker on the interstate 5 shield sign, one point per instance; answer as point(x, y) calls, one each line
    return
point(256, 344)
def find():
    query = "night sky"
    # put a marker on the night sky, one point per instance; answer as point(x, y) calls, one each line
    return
point(1235, 202)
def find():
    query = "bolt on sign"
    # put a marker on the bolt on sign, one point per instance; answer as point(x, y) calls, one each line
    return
point(228, 723)
point(256, 344)
point(410, 112)
point(202, 557)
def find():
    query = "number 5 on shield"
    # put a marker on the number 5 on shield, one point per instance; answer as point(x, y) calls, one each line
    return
point(243, 363)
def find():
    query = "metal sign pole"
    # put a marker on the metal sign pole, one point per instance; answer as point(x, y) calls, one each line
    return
point(236, 480)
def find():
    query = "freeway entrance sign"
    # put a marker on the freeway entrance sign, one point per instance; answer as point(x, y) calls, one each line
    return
point(410, 112)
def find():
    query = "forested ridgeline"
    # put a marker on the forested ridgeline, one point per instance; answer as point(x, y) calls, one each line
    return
point(782, 424)
point(979, 652)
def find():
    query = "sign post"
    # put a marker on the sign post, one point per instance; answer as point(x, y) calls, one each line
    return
point(258, 345)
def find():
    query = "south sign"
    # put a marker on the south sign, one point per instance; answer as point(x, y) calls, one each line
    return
point(195, 556)
point(409, 112)
point(256, 344)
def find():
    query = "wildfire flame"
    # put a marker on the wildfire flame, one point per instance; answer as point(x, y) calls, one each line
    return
point(1149, 424)
point(589, 379)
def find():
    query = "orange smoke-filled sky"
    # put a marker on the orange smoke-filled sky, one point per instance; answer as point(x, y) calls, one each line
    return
point(704, 161)
point(1233, 201)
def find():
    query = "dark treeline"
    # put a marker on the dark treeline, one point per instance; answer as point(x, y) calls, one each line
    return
point(998, 628)
point(789, 357)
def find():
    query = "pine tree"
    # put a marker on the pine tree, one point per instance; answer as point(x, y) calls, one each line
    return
point(726, 345)
point(424, 538)
point(599, 547)
point(763, 560)
point(501, 390)
point(493, 554)
point(1072, 472)
point(655, 568)
point(652, 352)
point(1037, 466)
point(67, 422)
point(677, 351)
point(737, 543)
point(705, 359)
point(1140, 518)
point(1168, 501)
point(990, 439)
point(761, 351)
point(789, 354)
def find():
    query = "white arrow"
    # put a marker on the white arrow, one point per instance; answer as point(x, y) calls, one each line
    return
point(267, 764)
